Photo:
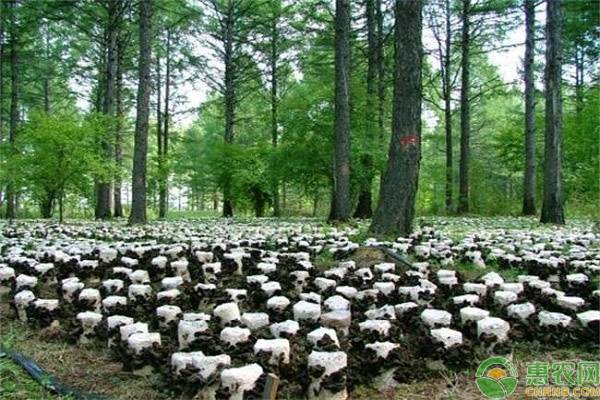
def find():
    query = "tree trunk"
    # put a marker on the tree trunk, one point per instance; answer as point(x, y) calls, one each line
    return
point(47, 204)
point(381, 84)
point(11, 203)
point(259, 201)
point(163, 194)
point(363, 208)
point(274, 106)
point(2, 11)
point(579, 78)
point(138, 202)
point(465, 111)
point(341, 176)
point(283, 197)
point(103, 188)
point(118, 206)
point(61, 199)
point(396, 209)
point(159, 123)
point(447, 93)
point(529, 176)
point(552, 208)
point(230, 103)
point(47, 75)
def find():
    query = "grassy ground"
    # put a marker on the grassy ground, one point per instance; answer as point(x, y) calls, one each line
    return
point(88, 368)
point(16, 384)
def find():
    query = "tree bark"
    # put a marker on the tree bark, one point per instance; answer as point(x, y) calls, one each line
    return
point(108, 108)
point(364, 206)
point(465, 111)
point(47, 75)
point(579, 78)
point(552, 208)
point(381, 84)
point(118, 206)
point(61, 199)
point(259, 201)
point(230, 103)
point(11, 201)
point(341, 177)
point(2, 11)
point(138, 203)
point(163, 193)
point(529, 176)
point(447, 92)
point(396, 209)
point(47, 204)
point(159, 122)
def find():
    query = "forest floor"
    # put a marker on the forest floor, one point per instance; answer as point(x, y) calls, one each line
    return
point(89, 368)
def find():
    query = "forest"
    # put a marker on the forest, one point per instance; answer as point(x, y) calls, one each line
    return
point(299, 199)
point(337, 110)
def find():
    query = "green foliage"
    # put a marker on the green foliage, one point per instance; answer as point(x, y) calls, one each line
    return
point(56, 155)
point(581, 150)
point(62, 69)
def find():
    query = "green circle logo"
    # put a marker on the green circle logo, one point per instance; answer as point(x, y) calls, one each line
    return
point(496, 378)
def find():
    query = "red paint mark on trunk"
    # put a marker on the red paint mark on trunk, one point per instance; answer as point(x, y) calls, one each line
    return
point(409, 140)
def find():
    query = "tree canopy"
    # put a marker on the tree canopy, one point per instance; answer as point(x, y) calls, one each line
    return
point(249, 103)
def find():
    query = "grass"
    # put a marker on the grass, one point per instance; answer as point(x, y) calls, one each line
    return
point(90, 369)
point(324, 261)
point(15, 384)
point(471, 272)
point(86, 368)
point(451, 385)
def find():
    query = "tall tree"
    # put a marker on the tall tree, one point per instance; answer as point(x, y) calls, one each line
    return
point(11, 203)
point(529, 78)
point(580, 45)
point(465, 110)
point(48, 74)
point(108, 108)
point(364, 206)
point(274, 56)
point(120, 115)
point(174, 25)
point(278, 39)
point(447, 93)
point(2, 12)
point(163, 148)
point(396, 209)
point(230, 44)
point(138, 187)
point(228, 25)
point(159, 121)
point(441, 23)
point(381, 79)
point(341, 160)
point(552, 208)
